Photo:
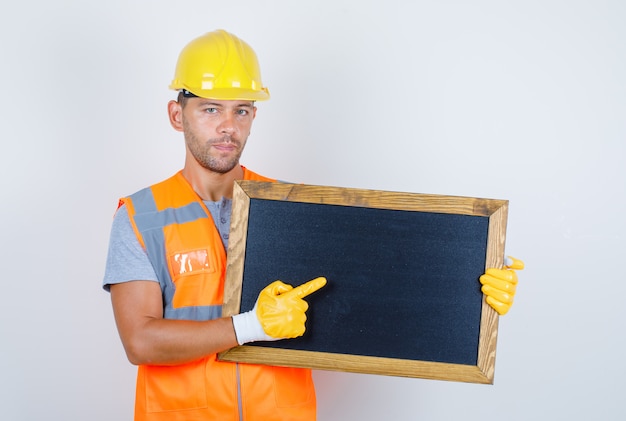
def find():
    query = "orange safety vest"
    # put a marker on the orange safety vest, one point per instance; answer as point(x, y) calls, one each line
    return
point(176, 229)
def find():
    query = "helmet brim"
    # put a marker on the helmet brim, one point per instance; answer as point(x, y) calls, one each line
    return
point(227, 94)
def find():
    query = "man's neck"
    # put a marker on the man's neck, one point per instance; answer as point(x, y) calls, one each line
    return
point(210, 185)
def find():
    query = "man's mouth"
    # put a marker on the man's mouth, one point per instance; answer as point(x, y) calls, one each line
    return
point(225, 145)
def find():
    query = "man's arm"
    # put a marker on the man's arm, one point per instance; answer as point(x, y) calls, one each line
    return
point(148, 338)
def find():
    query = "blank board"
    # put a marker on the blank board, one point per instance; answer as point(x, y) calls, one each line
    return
point(402, 297)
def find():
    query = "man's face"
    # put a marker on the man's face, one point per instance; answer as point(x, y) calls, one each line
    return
point(216, 131)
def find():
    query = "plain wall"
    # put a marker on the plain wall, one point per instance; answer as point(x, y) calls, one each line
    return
point(517, 100)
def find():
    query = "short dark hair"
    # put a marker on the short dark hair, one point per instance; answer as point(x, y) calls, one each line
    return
point(184, 95)
point(182, 99)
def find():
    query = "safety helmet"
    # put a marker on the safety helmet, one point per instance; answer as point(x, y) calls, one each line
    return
point(219, 65)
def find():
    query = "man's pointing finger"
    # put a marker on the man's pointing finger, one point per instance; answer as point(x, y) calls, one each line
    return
point(307, 288)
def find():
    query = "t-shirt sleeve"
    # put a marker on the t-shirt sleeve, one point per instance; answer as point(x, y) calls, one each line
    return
point(126, 259)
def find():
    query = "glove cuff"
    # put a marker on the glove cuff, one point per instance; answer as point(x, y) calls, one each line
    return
point(248, 328)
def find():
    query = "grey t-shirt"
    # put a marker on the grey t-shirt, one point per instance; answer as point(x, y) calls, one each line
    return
point(128, 261)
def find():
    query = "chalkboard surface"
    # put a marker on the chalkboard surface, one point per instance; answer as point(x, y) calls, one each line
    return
point(402, 275)
point(395, 266)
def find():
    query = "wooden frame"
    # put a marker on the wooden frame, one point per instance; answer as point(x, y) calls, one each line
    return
point(482, 371)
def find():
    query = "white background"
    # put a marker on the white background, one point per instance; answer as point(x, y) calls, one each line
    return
point(517, 100)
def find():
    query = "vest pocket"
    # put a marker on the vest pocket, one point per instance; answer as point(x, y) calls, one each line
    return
point(293, 387)
point(176, 387)
point(196, 279)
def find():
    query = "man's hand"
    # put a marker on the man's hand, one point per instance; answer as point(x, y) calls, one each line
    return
point(279, 313)
point(499, 285)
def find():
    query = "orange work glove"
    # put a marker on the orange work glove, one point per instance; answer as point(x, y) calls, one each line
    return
point(499, 285)
point(279, 313)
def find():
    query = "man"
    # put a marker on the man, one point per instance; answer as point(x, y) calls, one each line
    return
point(166, 263)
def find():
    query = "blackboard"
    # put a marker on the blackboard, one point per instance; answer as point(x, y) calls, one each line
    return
point(402, 297)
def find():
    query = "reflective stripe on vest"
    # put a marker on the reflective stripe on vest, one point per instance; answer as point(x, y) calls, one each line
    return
point(157, 218)
point(150, 223)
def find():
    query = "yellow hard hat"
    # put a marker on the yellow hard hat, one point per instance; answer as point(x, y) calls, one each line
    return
point(219, 65)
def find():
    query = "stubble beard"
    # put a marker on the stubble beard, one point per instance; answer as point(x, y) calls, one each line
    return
point(202, 152)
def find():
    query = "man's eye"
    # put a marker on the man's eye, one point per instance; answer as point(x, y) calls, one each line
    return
point(211, 110)
point(242, 112)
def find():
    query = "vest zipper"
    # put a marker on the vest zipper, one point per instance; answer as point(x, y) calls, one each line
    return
point(239, 397)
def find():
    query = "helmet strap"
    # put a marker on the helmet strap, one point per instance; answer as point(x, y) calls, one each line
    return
point(188, 94)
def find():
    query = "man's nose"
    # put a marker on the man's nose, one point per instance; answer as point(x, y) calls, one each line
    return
point(227, 124)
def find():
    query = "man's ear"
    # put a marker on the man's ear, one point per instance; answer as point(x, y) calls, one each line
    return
point(175, 113)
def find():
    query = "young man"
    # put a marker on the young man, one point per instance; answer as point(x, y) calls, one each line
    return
point(166, 264)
